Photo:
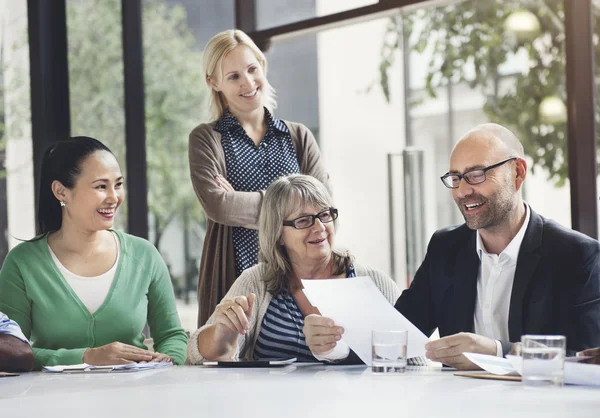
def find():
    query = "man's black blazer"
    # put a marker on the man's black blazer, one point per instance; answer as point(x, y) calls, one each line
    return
point(556, 288)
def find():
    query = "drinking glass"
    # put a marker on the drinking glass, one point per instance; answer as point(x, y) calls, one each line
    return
point(389, 351)
point(543, 360)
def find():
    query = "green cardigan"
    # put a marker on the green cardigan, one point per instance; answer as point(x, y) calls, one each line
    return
point(35, 294)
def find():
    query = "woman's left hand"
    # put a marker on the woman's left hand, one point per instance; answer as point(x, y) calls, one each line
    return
point(161, 357)
point(321, 334)
point(225, 185)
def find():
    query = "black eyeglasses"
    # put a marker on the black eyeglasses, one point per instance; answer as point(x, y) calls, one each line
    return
point(306, 221)
point(475, 176)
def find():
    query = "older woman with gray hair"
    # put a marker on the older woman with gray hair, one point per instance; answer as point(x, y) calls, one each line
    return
point(266, 314)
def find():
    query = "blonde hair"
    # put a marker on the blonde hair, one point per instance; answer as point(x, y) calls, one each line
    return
point(215, 51)
point(283, 197)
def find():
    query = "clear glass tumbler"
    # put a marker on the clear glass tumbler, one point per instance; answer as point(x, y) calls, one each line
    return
point(543, 360)
point(389, 351)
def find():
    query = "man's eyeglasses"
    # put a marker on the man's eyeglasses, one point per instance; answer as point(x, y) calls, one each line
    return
point(476, 176)
point(306, 221)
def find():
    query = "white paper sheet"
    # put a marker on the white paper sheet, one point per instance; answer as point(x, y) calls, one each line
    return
point(357, 305)
point(492, 364)
point(575, 373)
point(116, 367)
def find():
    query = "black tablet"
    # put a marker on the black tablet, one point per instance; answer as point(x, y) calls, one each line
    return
point(269, 362)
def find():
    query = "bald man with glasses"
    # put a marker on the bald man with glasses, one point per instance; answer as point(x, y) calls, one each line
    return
point(505, 272)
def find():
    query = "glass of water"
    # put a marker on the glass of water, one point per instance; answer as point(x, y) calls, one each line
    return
point(543, 360)
point(389, 351)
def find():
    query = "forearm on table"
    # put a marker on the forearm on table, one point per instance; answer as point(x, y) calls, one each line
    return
point(15, 355)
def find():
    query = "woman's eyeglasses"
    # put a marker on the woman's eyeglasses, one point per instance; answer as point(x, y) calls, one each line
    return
point(306, 221)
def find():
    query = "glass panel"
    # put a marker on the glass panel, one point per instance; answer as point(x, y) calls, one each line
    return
point(596, 23)
point(270, 13)
point(460, 73)
point(510, 70)
point(96, 85)
point(175, 33)
point(323, 84)
point(17, 208)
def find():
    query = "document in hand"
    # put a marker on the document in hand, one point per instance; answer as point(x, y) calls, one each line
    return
point(357, 305)
point(84, 368)
point(575, 373)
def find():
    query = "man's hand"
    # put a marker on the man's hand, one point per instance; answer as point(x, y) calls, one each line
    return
point(449, 350)
point(15, 355)
point(593, 352)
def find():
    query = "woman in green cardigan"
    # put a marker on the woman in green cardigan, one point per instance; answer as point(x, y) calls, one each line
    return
point(80, 291)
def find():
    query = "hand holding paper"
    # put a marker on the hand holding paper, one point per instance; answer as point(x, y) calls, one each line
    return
point(321, 334)
point(449, 350)
point(357, 305)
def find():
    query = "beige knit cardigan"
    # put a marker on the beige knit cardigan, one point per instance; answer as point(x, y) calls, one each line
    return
point(250, 281)
point(226, 209)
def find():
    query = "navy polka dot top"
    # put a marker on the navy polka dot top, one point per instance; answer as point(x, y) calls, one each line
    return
point(251, 168)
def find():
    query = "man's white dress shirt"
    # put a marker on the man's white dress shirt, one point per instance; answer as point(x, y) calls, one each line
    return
point(494, 287)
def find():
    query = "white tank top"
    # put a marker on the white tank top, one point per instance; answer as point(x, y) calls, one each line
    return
point(92, 291)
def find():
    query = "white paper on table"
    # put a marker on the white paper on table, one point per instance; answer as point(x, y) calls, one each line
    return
point(582, 374)
point(575, 373)
point(84, 367)
point(493, 364)
point(357, 305)
point(60, 369)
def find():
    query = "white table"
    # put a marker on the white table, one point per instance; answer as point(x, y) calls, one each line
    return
point(302, 391)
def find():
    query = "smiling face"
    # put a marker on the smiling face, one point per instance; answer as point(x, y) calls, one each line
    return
point(310, 245)
point(242, 80)
point(489, 204)
point(92, 203)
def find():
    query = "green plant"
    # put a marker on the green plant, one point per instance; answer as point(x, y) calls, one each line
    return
point(174, 96)
point(468, 42)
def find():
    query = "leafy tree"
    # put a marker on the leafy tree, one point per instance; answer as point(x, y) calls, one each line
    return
point(468, 43)
point(174, 89)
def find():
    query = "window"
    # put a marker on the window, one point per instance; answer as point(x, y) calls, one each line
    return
point(389, 99)
point(176, 95)
point(96, 83)
point(270, 13)
point(17, 208)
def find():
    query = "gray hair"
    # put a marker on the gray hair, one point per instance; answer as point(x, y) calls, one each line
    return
point(283, 197)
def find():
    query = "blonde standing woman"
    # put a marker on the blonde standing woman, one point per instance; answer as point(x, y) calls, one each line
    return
point(235, 157)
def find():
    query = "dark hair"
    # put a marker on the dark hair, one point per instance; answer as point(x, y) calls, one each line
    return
point(62, 162)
